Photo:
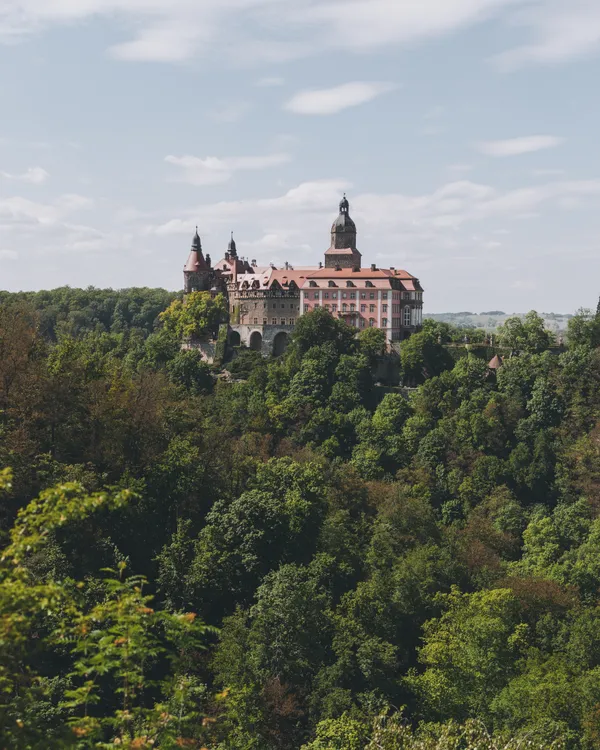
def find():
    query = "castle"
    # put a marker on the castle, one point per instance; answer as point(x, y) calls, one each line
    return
point(265, 302)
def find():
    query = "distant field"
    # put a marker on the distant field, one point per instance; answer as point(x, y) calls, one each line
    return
point(494, 318)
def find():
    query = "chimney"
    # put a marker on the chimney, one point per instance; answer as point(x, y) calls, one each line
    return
point(253, 263)
point(392, 268)
point(320, 265)
point(287, 266)
point(373, 267)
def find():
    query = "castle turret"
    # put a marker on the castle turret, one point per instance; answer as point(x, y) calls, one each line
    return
point(343, 252)
point(196, 271)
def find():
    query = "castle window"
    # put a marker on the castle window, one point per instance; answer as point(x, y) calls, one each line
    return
point(344, 295)
point(384, 308)
point(352, 295)
point(372, 295)
point(283, 321)
point(334, 295)
point(384, 295)
point(255, 321)
point(264, 321)
point(274, 321)
point(363, 308)
point(384, 322)
point(362, 323)
point(316, 295)
point(306, 308)
point(291, 322)
point(334, 308)
point(326, 295)
point(371, 308)
point(407, 316)
point(344, 307)
point(371, 322)
point(352, 308)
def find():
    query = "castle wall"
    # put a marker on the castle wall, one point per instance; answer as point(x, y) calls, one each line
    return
point(264, 308)
point(268, 333)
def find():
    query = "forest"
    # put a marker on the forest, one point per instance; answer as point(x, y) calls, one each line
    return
point(284, 554)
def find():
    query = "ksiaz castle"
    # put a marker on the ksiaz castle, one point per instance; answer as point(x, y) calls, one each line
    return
point(265, 302)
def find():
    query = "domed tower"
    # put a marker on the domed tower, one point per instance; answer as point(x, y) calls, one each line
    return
point(343, 250)
point(196, 271)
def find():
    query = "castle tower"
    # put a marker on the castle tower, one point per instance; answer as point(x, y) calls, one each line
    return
point(196, 271)
point(343, 252)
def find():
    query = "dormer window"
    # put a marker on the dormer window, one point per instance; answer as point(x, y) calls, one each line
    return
point(349, 283)
point(312, 283)
point(332, 283)
point(369, 283)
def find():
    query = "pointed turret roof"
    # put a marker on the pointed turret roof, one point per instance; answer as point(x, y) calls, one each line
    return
point(195, 261)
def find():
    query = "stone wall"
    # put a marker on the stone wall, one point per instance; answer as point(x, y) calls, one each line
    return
point(254, 310)
point(249, 336)
point(206, 347)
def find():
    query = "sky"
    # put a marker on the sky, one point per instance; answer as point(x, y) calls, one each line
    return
point(464, 133)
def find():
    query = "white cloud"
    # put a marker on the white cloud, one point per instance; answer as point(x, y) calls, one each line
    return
point(560, 30)
point(518, 146)
point(213, 170)
point(18, 210)
point(244, 30)
point(414, 219)
point(33, 176)
point(334, 100)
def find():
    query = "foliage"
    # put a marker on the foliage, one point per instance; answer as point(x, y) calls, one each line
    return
point(294, 556)
point(199, 315)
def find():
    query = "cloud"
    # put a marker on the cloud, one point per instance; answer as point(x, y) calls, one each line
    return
point(518, 146)
point(229, 112)
point(214, 171)
point(33, 176)
point(414, 219)
point(274, 30)
point(18, 210)
point(560, 30)
point(334, 100)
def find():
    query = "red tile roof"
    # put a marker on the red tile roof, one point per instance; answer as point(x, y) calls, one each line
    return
point(195, 262)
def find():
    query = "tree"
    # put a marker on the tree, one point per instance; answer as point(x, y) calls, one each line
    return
point(526, 335)
point(320, 327)
point(424, 356)
point(199, 315)
point(469, 653)
point(372, 343)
